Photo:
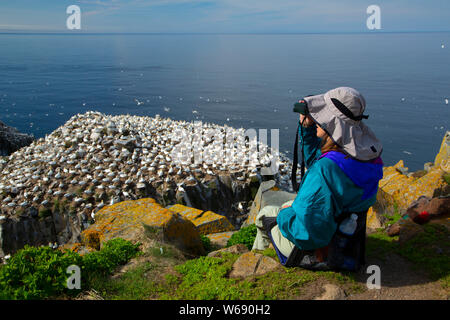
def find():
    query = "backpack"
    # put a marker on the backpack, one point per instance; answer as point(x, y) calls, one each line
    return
point(344, 253)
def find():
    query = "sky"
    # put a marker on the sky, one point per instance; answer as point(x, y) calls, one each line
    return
point(224, 16)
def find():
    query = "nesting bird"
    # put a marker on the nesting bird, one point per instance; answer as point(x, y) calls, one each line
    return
point(95, 159)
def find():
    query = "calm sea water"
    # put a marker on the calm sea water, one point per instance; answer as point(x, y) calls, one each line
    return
point(248, 81)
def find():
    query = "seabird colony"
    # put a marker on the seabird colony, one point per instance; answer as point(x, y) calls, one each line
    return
point(95, 159)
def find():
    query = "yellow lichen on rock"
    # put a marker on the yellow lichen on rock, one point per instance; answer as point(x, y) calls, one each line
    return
point(397, 189)
point(373, 220)
point(127, 219)
point(442, 159)
point(220, 239)
point(403, 189)
point(206, 222)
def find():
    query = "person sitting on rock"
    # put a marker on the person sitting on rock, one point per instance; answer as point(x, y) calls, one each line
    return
point(344, 166)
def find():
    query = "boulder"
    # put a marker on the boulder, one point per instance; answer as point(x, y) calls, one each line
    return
point(220, 239)
point(332, 292)
point(268, 194)
point(252, 264)
point(402, 189)
point(431, 208)
point(12, 140)
point(236, 249)
point(206, 222)
point(442, 159)
point(127, 220)
point(394, 229)
point(374, 219)
point(438, 207)
point(420, 211)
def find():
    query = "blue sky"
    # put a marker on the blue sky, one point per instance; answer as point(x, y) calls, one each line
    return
point(224, 16)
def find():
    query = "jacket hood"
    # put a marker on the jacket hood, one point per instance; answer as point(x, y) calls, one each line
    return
point(365, 175)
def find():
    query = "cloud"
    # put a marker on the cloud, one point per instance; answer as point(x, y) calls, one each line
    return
point(23, 27)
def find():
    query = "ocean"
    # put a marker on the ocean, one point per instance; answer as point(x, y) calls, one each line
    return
point(242, 80)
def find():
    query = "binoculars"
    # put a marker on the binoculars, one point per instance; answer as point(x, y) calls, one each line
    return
point(301, 107)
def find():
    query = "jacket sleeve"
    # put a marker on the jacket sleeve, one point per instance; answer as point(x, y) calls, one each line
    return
point(309, 223)
point(311, 141)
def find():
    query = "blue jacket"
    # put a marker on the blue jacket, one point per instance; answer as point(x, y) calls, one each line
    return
point(333, 183)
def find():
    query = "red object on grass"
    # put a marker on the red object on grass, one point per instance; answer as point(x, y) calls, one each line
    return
point(422, 218)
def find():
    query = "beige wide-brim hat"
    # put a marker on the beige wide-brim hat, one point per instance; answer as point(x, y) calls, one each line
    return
point(340, 112)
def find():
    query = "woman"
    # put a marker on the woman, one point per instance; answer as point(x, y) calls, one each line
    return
point(344, 166)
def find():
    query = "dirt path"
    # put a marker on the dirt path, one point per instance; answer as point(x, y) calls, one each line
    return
point(401, 281)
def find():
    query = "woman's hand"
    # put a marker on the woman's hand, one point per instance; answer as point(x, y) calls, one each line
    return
point(308, 121)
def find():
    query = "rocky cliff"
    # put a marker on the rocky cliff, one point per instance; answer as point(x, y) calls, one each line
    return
point(51, 190)
point(12, 140)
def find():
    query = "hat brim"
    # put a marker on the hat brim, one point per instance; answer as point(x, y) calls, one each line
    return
point(354, 137)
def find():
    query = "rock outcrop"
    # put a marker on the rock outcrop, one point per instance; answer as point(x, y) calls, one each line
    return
point(12, 140)
point(252, 264)
point(268, 194)
point(96, 160)
point(220, 239)
point(131, 219)
point(206, 222)
point(236, 249)
point(53, 227)
point(399, 188)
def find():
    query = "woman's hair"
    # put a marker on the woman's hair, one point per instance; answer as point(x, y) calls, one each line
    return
point(328, 145)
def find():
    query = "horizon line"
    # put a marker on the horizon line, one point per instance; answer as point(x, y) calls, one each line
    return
point(215, 33)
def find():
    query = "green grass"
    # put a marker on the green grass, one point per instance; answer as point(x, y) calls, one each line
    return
point(391, 219)
point(135, 284)
point(206, 243)
point(269, 252)
point(245, 235)
point(40, 272)
point(428, 251)
point(162, 251)
point(206, 278)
